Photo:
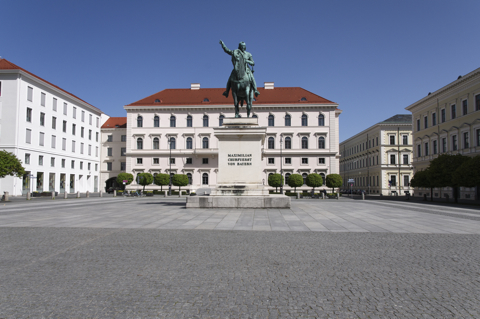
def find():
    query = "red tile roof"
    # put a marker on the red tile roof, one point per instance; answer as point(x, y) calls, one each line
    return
point(114, 121)
point(7, 65)
point(278, 95)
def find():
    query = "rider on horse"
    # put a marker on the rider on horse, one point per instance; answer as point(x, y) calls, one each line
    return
point(241, 51)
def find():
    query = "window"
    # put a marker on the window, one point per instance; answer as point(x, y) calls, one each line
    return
point(304, 176)
point(139, 121)
point(419, 150)
point(41, 139)
point(287, 176)
point(189, 176)
point(288, 143)
point(64, 144)
point(321, 120)
point(321, 142)
point(172, 143)
point(65, 108)
point(139, 143)
point(205, 142)
point(72, 164)
point(304, 142)
point(83, 116)
point(406, 180)
point(425, 122)
point(465, 107)
point(288, 120)
point(27, 158)
point(392, 159)
point(435, 147)
point(205, 160)
point(304, 120)
point(478, 137)
point(173, 121)
point(392, 140)
point(271, 120)
point(204, 179)
point(426, 149)
point(205, 121)
point(454, 142)
point(393, 180)
point(98, 124)
point(74, 112)
point(220, 120)
point(189, 121)
point(123, 150)
point(30, 94)
point(64, 128)
point(434, 119)
point(442, 115)
point(156, 121)
point(123, 166)
point(96, 167)
point(82, 132)
point(109, 166)
point(109, 151)
point(418, 124)
point(29, 114)
point(477, 102)
point(54, 105)
point(42, 119)
point(304, 160)
point(90, 134)
point(73, 129)
point(271, 143)
point(156, 143)
point(189, 160)
point(405, 139)
point(54, 122)
point(189, 143)
point(139, 160)
point(288, 160)
point(454, 111)
point(466, 143)
point(271, 160)
point(40, 160)
point(54, 141)
point(124, 138)
point(89, 165)
point(73, 146)
point(254, 116)
point(81, 165)
point(405, 159)
point(90, 118)
point(321, 160)
point(444, 145)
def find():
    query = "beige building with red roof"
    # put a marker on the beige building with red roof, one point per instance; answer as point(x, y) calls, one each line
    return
point(302, 133)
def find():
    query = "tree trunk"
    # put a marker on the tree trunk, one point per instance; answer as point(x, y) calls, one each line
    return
point(431, 194)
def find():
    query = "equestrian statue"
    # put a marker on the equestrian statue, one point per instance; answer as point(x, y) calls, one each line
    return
point(241, 80)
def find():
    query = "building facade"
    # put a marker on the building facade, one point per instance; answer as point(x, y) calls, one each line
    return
point(447, 121)
point(113, 151)
point(378, 159)
point(172, 132)
point(54, 133)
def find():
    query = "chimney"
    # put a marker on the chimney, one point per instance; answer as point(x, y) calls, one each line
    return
point(195, 86)
point(269, 85)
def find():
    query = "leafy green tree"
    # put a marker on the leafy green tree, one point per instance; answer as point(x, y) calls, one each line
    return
point(295, 180)
point(334, 180)
point(145, 179)
point(10, 165)
point(468, 174)
point(275, 180)
point(180, 180)
point(124, 177)
point(162, 180)
point(423, 179)
point(314, 180)
point(441, 171)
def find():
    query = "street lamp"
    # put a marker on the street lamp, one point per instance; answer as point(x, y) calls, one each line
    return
point(170, 171)
point(281, 164)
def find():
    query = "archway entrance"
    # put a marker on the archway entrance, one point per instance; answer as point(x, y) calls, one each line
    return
point(112, 183)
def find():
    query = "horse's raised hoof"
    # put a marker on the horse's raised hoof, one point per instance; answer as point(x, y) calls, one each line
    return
point(257, 93)
point(225, 94)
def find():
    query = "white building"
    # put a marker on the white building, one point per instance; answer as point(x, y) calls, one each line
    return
point(306, 123)
point(54, 133)
point(113, 150)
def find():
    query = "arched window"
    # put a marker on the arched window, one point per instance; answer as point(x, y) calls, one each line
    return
point(205, 121)
point(139, 121)
point(323, 177)
point(220, 120)
point(189, 121)
point(288, 143)
point(271, 120)
point(304, 175)
point(205, 142)
point(321, 142)
point(156, 121)
point(139, 143)
point(304, 120)
point(189, 176)
point(173, 143)
point(321, 120)
point(271, 143)
point(304, 142)
point(189, 143)
point(156, 143)
point(287, 176)
point(254, 116)
point(204, 179)
point(288, 120)
point(173, 121)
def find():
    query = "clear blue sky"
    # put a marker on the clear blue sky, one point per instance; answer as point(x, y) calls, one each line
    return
point(374, 58)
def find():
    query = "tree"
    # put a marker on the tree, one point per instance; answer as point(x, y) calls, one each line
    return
point(180, 180)
point(124, 177)
point(295, 180)
point(441, 171)
point(334, 180)
point(10, 165)
point(145, 179)
point(423, 179)
point(162, 180)
point(314, 180)
point(275, 180)
point(468, 174)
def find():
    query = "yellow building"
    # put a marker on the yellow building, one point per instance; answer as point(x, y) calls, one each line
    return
point(447, 121)
point(378, 159)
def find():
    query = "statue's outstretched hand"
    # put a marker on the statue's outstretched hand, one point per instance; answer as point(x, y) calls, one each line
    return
point(221, 42)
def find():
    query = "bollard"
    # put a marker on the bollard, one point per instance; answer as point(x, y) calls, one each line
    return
point(100, 194)
point(298, 195)
point(65, 195)
point(338, 196)
point(87, 194)
point(53, 195)
point(165, 194)
point(28, 196)
point(363, 196)
point(6, 196)
point(114, 193)
point(179, 194)
point(323, 195)
point(78, 194)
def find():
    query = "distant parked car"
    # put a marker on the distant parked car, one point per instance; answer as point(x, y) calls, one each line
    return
point(111, 189)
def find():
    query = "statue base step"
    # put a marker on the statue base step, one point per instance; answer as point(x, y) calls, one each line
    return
point(268, 201)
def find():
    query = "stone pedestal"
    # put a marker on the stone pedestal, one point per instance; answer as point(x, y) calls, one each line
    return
point(240, 164)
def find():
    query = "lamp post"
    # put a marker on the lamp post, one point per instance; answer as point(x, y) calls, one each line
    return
point(170, 171)
point(281, 165)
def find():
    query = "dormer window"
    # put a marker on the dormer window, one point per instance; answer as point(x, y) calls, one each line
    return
point(206, 100)
point(157, 101)
point(303, 99)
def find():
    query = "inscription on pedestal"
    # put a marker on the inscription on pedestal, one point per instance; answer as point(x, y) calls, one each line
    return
point(240, 159)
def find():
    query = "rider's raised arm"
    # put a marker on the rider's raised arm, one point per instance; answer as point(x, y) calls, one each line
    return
point(224, 47)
